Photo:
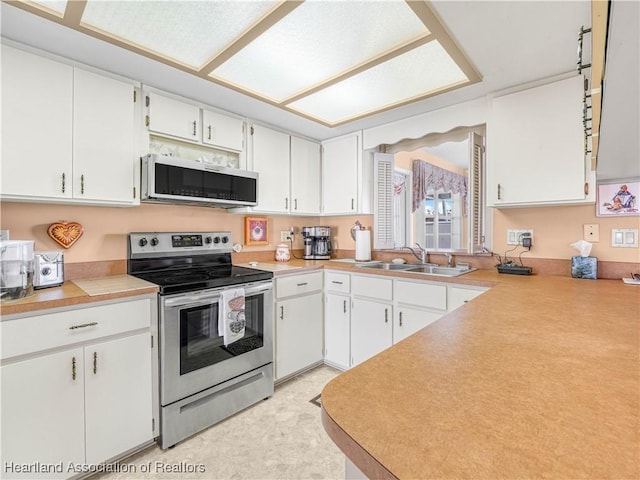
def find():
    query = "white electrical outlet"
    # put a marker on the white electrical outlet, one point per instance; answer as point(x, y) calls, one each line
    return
point(285, 235)
point(514, 236)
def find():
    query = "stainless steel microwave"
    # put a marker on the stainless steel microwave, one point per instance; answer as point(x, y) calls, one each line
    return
point(179, 181)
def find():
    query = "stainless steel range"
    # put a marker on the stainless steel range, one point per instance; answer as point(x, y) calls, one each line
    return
point(216, 357)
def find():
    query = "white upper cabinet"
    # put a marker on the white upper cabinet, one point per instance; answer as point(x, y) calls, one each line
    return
point(340, 160)
point(536, 147)
point(305, 177)
point(172, 117)
point(222, 131)
point(68, 133)
point(103, 138)
point(271, 160)
point(37, 113)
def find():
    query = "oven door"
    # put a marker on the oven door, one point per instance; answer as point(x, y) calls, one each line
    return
point(193, 356)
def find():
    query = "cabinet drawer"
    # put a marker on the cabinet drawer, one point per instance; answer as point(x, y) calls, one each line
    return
point(460, 296)
point(298, 284)
point(41, 332)
point(422, 294)
point(373, 287)
point(337, 282)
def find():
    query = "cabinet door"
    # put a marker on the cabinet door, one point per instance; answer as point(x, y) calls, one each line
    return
point(337, 316)
point(222, 131)
point(535, 145)
point(340, 175)
point(460, 296)
point(305, 177)
point(371, 329)
point(103, 148)
point(43, 411)
point(271, 161)
point(36, 125)
point(410, 320)
point(118, 396)
point(298, 333)
point(173, 117)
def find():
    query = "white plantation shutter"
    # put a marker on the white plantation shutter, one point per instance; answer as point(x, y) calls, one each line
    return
point(382, 200)
point(476, 174)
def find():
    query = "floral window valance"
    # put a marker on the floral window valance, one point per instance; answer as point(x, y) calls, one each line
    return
point(428, 177)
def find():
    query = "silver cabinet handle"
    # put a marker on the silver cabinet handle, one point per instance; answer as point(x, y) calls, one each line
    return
point(301, 284)
point(286, 203)
point(209, 132)
point(95, 362)
point(194, 128)
point(295, 204)
point(82, 184)
point(84, 325)
point(400, 318)
point(352, 203)
point(499, 192)
point(336, 282)
point(73, 368)
point(64, 183)
point(344, 306)
point(281, 312)
point(386, 315)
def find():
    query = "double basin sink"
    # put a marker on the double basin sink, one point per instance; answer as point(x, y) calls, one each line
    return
point(428, 268)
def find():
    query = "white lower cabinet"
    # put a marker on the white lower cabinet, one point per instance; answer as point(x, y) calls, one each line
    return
point(365, 314)
point(337, 335)
point(86, 404)
point(115, 421)
point(298, 322)
point(43, 412)
point(409, 320)
point(459, 296)
point(371, 329)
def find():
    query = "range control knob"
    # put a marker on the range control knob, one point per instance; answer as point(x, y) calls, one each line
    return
point(207, 240)
point(216, 240)
point(154, 241)
point(142, 242)
point(46, 271)
point(225, 239)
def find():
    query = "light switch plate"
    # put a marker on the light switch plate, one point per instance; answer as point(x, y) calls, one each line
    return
point(624, 237)
point(514, 236)
point(4, 234)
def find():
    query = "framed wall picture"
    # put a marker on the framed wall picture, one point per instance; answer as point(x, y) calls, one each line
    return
point(618, 199)
point(256, 231)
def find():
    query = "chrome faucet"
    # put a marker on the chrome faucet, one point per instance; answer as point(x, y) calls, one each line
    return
point(449, 259)
point(424, 256)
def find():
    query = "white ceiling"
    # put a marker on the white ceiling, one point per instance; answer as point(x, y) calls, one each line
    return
point(509, 42)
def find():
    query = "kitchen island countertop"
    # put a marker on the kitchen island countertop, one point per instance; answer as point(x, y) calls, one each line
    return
point(536, 378)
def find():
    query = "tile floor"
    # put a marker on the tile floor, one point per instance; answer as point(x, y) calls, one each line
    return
point(280, 438)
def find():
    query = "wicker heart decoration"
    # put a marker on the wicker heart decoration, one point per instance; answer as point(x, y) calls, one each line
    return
point(65, 233)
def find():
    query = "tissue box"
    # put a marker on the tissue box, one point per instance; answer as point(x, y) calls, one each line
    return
point(584, 267)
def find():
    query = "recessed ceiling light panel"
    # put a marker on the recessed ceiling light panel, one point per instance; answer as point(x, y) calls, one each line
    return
point(188, 32)
point(318, 41)
point(53, 6)
point(417, 73)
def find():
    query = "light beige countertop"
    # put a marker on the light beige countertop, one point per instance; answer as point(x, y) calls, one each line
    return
point(536, 378)
point(75, 292)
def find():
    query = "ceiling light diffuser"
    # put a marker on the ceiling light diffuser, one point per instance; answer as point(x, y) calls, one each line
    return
point(187, 32)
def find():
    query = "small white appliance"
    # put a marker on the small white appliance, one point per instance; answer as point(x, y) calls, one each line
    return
point(49, 269)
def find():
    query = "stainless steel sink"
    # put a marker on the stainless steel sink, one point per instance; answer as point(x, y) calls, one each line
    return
point(440, 270)
point(386, 266)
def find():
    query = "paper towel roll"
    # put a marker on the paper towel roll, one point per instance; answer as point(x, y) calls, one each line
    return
point(363, 245)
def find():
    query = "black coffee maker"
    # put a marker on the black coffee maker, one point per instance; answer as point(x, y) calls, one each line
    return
point(317, 243)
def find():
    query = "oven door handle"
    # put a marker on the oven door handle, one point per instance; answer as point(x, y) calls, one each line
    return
point(212, 297)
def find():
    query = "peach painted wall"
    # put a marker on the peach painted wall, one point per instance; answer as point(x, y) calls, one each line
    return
point(106, 229)
point(554, 228)
point(405, 160)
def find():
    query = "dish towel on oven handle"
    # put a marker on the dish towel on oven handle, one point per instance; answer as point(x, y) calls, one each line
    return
point(231, 318)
